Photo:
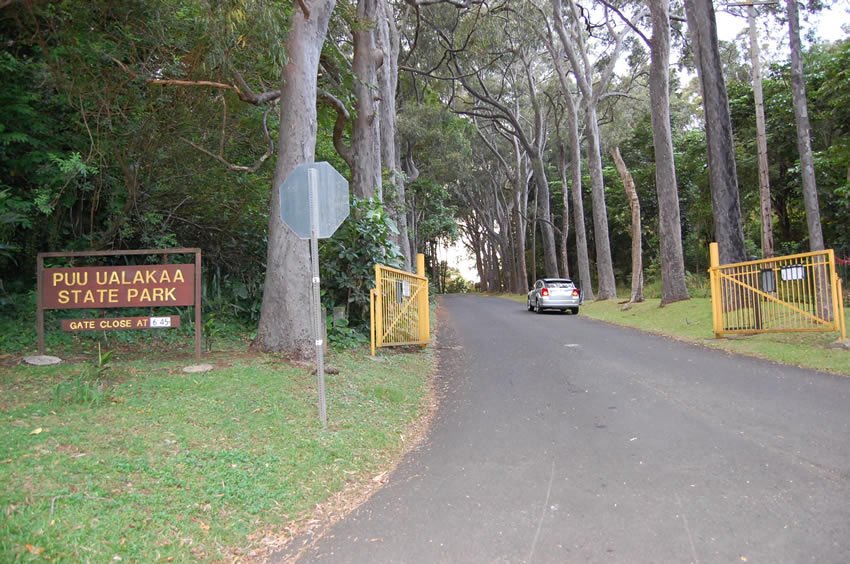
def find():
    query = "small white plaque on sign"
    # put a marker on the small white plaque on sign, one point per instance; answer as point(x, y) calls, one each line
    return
point(159, 322)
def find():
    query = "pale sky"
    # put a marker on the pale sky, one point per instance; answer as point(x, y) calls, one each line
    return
point(829, 23)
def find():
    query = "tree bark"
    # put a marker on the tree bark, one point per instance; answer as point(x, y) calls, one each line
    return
point(533, 224)
point(637, 246)
point(408, 166)
point(572, 124)
point(761, 140)
point(283, 327)
point(565, 215)
point(509, 211)
point(366, 135)
point(607, 285)
point(591, 90)
point(801, 116)
point(520, 209)
point(578, 206)
point(723, 179)
point(394, 199)
point(550, 256)
point(673, 286)
point(807, 165)
point(479, 267)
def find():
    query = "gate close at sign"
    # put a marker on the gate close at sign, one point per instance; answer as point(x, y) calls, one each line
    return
point(776, 295)
point(399, 307)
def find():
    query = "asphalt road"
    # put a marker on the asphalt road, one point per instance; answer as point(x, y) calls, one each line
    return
point(562, 439)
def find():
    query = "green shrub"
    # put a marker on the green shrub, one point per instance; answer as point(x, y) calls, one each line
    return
point(348, 259)
point(341, 336)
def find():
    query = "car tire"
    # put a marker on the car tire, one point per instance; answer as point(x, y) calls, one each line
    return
point(574, 310)
point(537, 308)
point(530, 307)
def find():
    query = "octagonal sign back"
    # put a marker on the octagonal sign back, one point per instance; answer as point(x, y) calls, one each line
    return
point(331, 199)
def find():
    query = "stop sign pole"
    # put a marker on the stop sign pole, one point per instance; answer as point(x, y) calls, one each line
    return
point(313, 204)
point(313, 186)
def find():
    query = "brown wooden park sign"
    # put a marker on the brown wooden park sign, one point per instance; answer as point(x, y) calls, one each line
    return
point(100, 287)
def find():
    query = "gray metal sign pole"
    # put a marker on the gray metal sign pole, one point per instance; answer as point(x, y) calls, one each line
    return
point(313, 203)
point(313, 185)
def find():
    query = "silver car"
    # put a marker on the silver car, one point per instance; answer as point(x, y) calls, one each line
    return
point(554, 293)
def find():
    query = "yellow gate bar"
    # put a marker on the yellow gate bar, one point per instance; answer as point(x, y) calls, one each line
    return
point(398, 306)
point(792, 293)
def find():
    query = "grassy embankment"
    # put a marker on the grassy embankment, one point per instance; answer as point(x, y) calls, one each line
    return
point(142, 462)
point(691, 321)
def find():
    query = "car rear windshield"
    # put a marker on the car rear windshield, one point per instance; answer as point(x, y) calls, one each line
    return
point(559, 283)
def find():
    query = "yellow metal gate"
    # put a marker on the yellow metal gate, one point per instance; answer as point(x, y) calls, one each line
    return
point(781, 294)
point(399, 307)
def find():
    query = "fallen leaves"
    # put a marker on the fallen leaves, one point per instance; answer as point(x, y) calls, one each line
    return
point(204, 527)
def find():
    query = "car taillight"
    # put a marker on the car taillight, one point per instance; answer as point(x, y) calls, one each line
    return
point(544, 292)
point(576, 292)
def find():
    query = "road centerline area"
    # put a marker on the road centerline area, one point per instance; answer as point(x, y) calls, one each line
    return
point(652, 450)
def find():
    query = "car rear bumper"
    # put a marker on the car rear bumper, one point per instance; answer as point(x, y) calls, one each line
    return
point(561, 302)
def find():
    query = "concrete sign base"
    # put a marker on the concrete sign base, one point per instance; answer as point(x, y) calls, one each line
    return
point(42, 360)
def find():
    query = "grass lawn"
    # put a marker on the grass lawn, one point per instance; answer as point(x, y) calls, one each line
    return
point(142, 462)
point(690, 320)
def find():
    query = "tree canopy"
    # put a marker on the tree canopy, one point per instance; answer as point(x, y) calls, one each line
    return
point(132, 124)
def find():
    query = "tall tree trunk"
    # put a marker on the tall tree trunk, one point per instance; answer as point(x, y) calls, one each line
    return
point(412, 173)
point(394, 198)
point(550, 257)
point(506, 227)
point(637, 246)
point(591, 89)
point(578, 209)
point(533, 224)
point(572, 123)
point(550, 253)
point(507, 215)
point(723, 179)
point(479, 267)
point(283, 327)
point(801, 115)
point(761, 140)
point(487, 269)
point(520, 209)
point(807, 165)
point(507, 273)
point(673, 286)
point(495, 270)
point(366, 135)
point(607, 289)
point(504, 237)
point(565, 216)
point(533, 147)
point(518, 226)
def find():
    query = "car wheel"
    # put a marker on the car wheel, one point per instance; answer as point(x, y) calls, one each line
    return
point(574, 310)
point(530, 307)
point(537, 307)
